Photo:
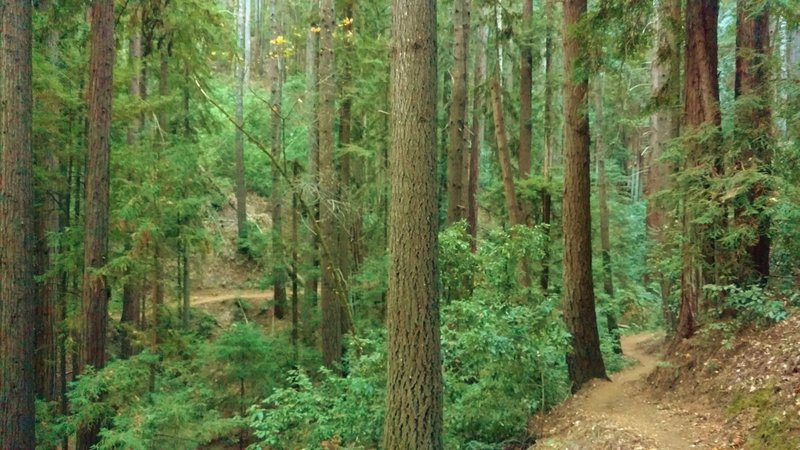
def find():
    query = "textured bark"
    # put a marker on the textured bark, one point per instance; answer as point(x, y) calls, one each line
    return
point(700, 109)
point(584, 361)
point(330, 306)
point(549, 86)
point(17, 319)
point(276, 133)
point(602, 200)
point(94, 305)
point(504, 155)
point(238, 151)
point(457, 125)
point(343, 231)
point(414, 380)
point(754, 125)
point(312, 257)
point(525, 107)
point(665, 126)
point(474, 165)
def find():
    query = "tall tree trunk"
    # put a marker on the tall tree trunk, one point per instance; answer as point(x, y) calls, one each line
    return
point(240, 74)
point(312, 257)
point(549, 86)
point(330, 306)
point(700, 111)
point(17, 319)
point(584, 361)
point(602, 199)
point(94, 310)
point(514, 213)
point(665, 126)
point(295, 267)
point(276, 132)
point(458, 113)
point(526, 105)
point(754, 126)
point(414, 379)
point(343, 236)
point(474, 166)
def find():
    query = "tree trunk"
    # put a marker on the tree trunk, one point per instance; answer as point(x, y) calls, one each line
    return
point(665, 126)
point(754, 127)
point(525, 106)
point(514, 213)
point(414, 379)
point(95, 295)
point(17, 289)
point(458, 113)
point(330, 306)
point(474, 166)
point(602, 199)
point(584, 360)
point(240, 75)
point(276, 132)
point(700, 110)
point(312, 257)
point(549, 86)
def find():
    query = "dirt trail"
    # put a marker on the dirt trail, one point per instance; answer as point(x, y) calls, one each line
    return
point(222, 295)
point(621, 414)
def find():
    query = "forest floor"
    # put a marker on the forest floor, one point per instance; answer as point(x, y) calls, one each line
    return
point(714, 391)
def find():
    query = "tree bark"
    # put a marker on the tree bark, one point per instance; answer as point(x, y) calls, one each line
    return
point(94, 305)
point(549, 86)
point(512, 205)
point(312, 257)
point(700, 110)
point(17, 319)
point(414, 379)
point(330, 305)
point(457, 125)
point(526, 106)
point(584, 361)
point(276, 132)
point(665, 126)
point(754, 127)
point(474, 166)
point(240, 75)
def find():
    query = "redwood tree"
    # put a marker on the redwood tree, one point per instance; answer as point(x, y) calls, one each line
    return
point(584, 361)
point(17, 412)
point(458, 113)
point(414, 380)
point(94, 310)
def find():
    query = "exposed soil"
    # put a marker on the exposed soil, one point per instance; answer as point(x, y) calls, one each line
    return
point(622, 413)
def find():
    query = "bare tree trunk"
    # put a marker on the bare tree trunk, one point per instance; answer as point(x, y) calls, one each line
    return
point(457, 125)
point(276, 131)
point(414, 379)
point(312, 258)
point(474, 166)
point(701, 110)
point(240, 75)
point(526, 106)
point(754, 127)
point(17, 289)
point(514, 212)
point(94, 306)
point(330, 306)
point(549, 86)
point(665, 126)
point(585, 360)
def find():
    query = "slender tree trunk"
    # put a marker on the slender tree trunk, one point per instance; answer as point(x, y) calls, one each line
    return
point(312, 258)
point(584, 360)
point(330, 306)
point(186, 292)
point(295, 266)
point(700, 111)
point(276, 131)
point(94, 309)
point(17, 289)
point(526, 106)
point(474, 166)
point(754, 126)
point(602, 199)
point(549, 86)
point(514, 213)
point(458, 113)
point(414, 379)
point(665, 126)
point(241, 70)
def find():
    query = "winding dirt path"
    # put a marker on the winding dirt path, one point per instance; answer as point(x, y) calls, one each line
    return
point(222, 295)
point(621, 414)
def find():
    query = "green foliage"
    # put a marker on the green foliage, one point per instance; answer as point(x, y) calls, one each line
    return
point(750, 305)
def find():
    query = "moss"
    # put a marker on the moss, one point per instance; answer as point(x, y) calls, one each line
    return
point(773, 430)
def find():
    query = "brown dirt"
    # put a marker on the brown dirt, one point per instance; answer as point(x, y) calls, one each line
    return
point(622, 413)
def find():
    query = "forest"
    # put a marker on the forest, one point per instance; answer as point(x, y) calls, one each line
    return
point(399, 224)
